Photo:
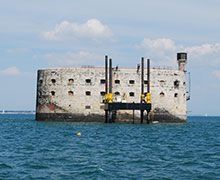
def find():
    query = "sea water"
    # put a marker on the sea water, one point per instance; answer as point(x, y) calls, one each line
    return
point(53, 150)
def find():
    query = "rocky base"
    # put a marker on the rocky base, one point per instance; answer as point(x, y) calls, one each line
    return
point(69, 117)
point(126, 118)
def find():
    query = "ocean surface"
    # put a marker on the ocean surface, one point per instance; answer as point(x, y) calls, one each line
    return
point(52, 150)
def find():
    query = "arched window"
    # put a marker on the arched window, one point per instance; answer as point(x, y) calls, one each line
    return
point(176, 95)
point(70, 93)
point(162, 94)
point(162, 83)
point(52, 93)
point(102, 93)
point(70, 81)
point(117, 93)
point(131, 94)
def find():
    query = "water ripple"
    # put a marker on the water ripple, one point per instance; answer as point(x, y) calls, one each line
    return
point(48, 150)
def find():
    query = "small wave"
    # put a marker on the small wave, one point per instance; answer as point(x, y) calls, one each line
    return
point(5, 166)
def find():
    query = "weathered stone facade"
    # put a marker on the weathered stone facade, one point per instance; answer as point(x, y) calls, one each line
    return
point(76, 94)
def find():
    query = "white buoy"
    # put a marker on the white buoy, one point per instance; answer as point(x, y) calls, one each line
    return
point(78, 133)
point(155, 122)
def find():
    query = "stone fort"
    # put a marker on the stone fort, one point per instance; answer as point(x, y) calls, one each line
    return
point(77, 94)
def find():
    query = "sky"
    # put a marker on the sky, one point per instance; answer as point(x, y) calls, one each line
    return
point(68, 33)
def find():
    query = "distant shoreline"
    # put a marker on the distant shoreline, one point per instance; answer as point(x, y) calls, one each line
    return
point(16, 112)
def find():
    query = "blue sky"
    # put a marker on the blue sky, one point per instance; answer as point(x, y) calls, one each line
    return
point(53, 33)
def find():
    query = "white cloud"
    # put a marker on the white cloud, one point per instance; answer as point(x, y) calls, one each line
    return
point(11, 71)
point(93, 29)
point(161, 50)
point(74, 58)
point(166, 46)
point(160, 45)
point(203, 49)
point(165, 50)
point(216, 74)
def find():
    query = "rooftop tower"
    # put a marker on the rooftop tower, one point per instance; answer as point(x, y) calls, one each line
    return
point(182, 60)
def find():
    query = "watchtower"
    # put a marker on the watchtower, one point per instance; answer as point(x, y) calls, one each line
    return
point(182, 60)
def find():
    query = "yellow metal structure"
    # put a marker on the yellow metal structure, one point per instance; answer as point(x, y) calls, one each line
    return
point(148, 98)
point(109, 98)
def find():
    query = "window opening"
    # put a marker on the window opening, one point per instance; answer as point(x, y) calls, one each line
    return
point(88, 80)
point(131, 94)
point(70, 93)
point(70, 81)
point(162, 94)
point(53, 81)
point(87, 107)
point(102, 81)
point(102, 93)
point(131, 81)
point(88, 93)
point(117, 81)
point(145, 81)
point(176, 84)
point(117, 93)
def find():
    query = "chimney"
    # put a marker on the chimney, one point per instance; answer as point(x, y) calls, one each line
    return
point(182, 60)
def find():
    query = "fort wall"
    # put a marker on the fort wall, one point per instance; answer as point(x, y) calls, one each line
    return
point(77, 94)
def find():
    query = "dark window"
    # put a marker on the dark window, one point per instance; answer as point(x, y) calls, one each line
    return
point(88, 93)
point(176, 94)
point(87, 107)
point(102, 81)
point(117, 93)
point(70, 93)
point(52, 93)
point(117, 81)
point(176, 84)
point(131, 94)
point(88, 80)
point(70, 81)
point(131, 81)
point(40, 81)
point(162, 94)
point(53, 81)
point(102, 93)
point(145, 81)
point(184, 83)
